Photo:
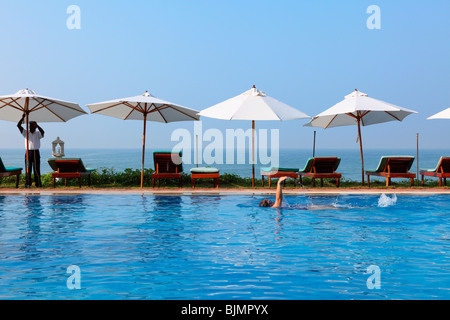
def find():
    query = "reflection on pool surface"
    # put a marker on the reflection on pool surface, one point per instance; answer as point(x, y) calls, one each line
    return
point(224, 247)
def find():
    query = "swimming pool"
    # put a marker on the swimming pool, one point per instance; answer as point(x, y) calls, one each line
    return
point(224, 247)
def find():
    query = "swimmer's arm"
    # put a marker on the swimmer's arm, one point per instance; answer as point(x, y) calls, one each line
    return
point(279, 196)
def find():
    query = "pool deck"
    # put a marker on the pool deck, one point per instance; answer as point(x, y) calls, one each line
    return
point(224, 191)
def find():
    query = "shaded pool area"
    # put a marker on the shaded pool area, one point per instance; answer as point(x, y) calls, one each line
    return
point(224, 247)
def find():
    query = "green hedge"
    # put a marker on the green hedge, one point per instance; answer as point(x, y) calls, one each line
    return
point(131, 178)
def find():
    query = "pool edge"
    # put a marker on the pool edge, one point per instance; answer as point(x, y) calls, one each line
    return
point(151, 191)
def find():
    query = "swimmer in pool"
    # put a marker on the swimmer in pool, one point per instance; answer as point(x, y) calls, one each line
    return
point(278, 199)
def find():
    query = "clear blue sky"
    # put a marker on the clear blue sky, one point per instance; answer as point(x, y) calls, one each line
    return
point(308, 54)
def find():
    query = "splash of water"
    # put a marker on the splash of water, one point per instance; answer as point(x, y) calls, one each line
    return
point(384, 201)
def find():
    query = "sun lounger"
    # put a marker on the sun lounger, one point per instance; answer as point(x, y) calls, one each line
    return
point(69, 168)
point(10, 171)
point(442, 171)
point(205, 173)
point(168, 165)
point(275, 172)
point(320, 168)
point(393, 167)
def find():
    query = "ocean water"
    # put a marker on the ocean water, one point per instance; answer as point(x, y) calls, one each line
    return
point(224, 247)
point(120, 159)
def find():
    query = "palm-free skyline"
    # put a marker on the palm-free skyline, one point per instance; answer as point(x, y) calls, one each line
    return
point(308, 55)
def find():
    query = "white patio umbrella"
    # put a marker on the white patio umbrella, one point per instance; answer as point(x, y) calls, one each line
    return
point(445, 114)
point(37, 108)
point(359, 109)
point(145, 108)
point(253, 105)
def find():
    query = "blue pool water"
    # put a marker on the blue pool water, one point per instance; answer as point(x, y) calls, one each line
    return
point(224, 247)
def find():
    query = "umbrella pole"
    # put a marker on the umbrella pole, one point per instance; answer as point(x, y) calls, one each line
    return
point(361, 150)
point(417, 151)
point(143, 150)
point(314, 144)
point(28, 174)
point(253, 153)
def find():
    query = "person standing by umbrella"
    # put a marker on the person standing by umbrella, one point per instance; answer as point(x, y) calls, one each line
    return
point(33, 159)
point(36, 108)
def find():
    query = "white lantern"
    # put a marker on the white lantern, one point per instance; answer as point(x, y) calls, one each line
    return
point(58, 152)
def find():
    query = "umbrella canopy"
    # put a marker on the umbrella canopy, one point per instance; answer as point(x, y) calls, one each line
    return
point(253, 105)
point(445, 114)
point(37, 108)
point(143, 107)
point(359, 109)
point(146, 108)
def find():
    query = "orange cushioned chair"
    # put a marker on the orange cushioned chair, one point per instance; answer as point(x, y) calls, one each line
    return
point(168, 165)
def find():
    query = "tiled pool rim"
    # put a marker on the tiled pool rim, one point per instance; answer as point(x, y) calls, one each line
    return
point(186, 191)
